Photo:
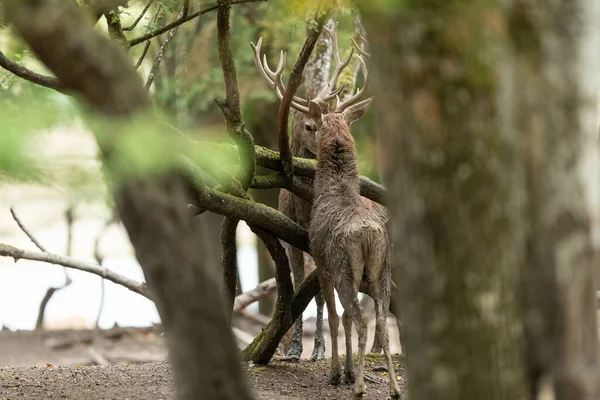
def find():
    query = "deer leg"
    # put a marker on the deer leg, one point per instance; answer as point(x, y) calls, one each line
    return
point(297, 262)
point(381, 314)
point(377, 341)
point(334, 323)
point(319, 347)
point(349, 376)
point(349, 299)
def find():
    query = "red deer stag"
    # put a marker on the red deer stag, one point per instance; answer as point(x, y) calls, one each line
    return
point(303, 144)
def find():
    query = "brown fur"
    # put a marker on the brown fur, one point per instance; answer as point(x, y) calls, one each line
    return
point(348, 240)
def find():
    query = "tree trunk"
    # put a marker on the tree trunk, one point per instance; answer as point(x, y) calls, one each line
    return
point(487, 152)
point(556, 63)
point(187, 291)
point(455, 181)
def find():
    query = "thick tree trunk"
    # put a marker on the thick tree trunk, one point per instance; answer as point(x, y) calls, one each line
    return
point(556, 62)
point(487, 119)
point(187, 292)
point(455, 181)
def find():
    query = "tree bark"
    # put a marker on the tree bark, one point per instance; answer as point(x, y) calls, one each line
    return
point(187, 292)
point(555, 66)
point(456, 179)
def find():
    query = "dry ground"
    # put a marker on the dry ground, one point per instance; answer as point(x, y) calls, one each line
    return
point(123, 364)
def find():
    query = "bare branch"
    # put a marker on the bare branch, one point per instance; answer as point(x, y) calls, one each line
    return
point(51, 290)
point(139, 18)
point(231, 105)
point(263, 289)
point(293, 84)
point(69, 262)
point(27, 74)
point(180, 21)
point(26, 231)
point(148, 42)
point(100, 260)
point(144, 52)
point(163, 48)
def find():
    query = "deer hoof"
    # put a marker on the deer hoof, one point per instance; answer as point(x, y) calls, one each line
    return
point(335, 378)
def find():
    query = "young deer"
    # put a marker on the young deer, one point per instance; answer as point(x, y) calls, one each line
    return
point(348, 239)
point(303, 144)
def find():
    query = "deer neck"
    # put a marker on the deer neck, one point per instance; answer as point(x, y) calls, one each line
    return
point(337, 170)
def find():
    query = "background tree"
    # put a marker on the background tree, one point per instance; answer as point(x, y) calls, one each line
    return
point(485, 130)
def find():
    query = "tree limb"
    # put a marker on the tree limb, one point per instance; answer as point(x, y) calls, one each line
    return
point(253, 213)
point(27, 74)
point(302, 167)
point(180, 21)
point(139, 18)
point(69, 262)
point(263, 289)
point(282, 317)
point(164, 45)
point(293, 84)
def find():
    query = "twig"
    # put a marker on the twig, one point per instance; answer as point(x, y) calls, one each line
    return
point(69, 262)
point(147, 45)
point(160, 55)
point(26, 231)
point(180, 21)
point(139, 18)
point(33, 77)
point(100, 260)
point(51, 290)
point(293, 84)
point(144, 52)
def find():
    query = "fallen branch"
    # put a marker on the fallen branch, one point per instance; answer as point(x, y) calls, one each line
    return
point(69, 262)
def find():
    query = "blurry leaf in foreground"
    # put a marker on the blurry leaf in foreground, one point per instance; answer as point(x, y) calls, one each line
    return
point(20, 120)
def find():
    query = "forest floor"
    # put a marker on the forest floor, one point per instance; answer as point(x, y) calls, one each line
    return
point(130, 364)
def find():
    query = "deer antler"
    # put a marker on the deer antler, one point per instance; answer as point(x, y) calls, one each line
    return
point(341, 106)
point(273, 78)
point(327, 93)
point(275, 81)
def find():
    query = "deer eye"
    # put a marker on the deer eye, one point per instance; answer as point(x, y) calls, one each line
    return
point(308, 127)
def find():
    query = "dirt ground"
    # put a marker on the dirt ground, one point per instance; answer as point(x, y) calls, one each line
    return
point(129, 364)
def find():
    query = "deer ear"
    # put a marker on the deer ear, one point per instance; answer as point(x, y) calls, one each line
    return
point(356, 111)
point(314, 109)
